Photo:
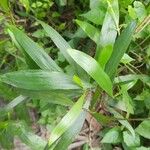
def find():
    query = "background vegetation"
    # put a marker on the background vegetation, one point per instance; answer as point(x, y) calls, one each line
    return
point(75, 74)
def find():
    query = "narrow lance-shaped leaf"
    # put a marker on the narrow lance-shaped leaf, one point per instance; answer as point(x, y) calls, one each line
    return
point(108, 33)
point(12, 104)
point(63, 45)
point(68, 137)
point(51, 97)
point(41, 58)
point(90, 30)
point(67, 121)
point(121, 119)
point(39, 80)
point(119, 49)
point(29, 61)
point(91, 66)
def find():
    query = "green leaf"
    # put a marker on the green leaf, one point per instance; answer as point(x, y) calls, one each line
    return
point(142, 148)
point(38, 80)
point(130, 140)
point(108, 33)
point(122, 120)
point(127, 99)
point(12, 104)
point(144, 129)
point(62, 46)
point(90, 30)
point(102, 119)
point(54, 97)
point(26, 4)
point(113, 136)
point(140, 10)
point(41, 58)
point(95, 15)
point(34, 141)
point(70, 134)
point(93, 69)
point(126, 59)
point(4, 4)
point(67, 121)
point(120, 48)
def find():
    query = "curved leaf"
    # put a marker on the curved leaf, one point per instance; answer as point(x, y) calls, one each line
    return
point(91, 66)
point(41, 58)
point(63, 45)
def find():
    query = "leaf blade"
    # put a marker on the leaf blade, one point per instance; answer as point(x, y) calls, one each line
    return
point(36, 52)
point(93, 69)
point(121, 44)
point(39, 80)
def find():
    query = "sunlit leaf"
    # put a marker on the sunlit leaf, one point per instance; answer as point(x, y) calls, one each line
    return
point(66, 121)
point(90, 30)
point(93, 69)
point(108, 33)
point(143, 129)
point(62, 45)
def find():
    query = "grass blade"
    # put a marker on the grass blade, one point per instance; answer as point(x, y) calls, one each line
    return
point(63, 45)
point(67, 121)
point(74, 130)
point(12, 104)
point(41, 58)
point(108, 33)
point(91, 66)
point(120, 48)
point(90, 30)
point(39, 80)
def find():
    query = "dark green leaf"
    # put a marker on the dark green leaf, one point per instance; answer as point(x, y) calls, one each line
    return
point(102, 119)
point(120, 48)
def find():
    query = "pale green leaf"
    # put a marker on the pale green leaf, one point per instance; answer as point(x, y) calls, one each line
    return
point(71, 133)
point(66, 121)
point(90, 30)
point(95, 15)
point(113, 136)
point(130, 140)
point(93, 69)
point(108, 33)
point(144, 129)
